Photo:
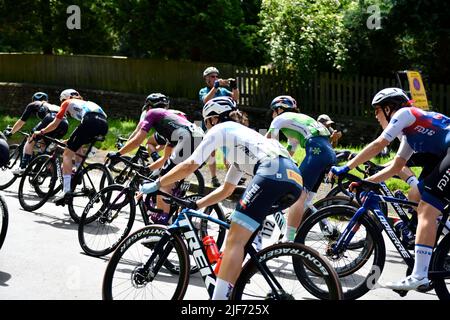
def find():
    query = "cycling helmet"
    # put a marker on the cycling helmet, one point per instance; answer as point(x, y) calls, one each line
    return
point(156, 100)
point(220, 106)
point(393, 97)
point(210, 70)
point(67, 94)
point(39, 96)
point(284, 102)
point(4, 151)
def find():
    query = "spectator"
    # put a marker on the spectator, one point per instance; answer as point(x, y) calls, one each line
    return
point(335, 134)
point(215, 88)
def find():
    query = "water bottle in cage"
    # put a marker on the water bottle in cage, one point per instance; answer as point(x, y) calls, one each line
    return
point(211, 249)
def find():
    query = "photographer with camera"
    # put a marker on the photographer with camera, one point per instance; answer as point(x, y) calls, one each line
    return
point(215, 87)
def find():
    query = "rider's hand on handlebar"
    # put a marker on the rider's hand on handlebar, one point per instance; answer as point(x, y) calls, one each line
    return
point(335, 170)
point(113, 154)
point(151, 187)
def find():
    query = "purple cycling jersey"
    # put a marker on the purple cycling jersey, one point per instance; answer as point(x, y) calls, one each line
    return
point(165, 122)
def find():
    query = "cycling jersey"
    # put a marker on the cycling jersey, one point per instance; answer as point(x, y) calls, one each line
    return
point(298, 128)
point(244, 148)
point(165, 122)
point(221, 92)
point(39, 108)
point(79, 108)
point(422, 131)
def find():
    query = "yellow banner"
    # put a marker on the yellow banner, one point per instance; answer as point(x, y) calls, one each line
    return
point(417, 90)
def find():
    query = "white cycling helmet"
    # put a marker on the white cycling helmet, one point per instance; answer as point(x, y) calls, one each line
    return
point(396, 98)
point(220, 106)
point(67, 94)
point(210, 70)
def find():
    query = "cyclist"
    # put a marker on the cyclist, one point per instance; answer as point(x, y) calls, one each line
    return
point(424, 132)
point(215, 87)
point(155, 143)
point(276, 180)
point(44, 111)
point(314, 138)
point(93, 123)
point(178, 135)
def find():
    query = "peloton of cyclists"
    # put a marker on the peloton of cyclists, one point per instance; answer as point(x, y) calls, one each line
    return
point(44, 111)
point(93, 124)
point(276, 180)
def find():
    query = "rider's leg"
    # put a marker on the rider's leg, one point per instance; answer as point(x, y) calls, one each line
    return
point(67, 169)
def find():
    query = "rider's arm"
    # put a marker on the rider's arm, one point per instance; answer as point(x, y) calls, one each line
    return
point(370, 151)
point(403, 154)
point(51, 126)
point(17, 126)
point(394, 168)
point(134, 142)
point(160, 162)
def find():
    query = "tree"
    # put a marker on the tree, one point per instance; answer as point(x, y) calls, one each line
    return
point(304, 34)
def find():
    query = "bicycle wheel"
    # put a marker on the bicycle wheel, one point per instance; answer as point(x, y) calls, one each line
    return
point(330, 201)
point(355, 265)
point(3, 220)
point(37, 183)
point(15, 156)
point(106, 220)
point(279, 261)
point(196, 182)
point(86, 185)
point(440, 263)
point(125, 277)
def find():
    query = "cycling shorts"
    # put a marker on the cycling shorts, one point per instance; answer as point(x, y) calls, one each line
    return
point(435, 188)
point(92, 125)
point(269, 188)
point(427, 161)
point(318, 160)
point(184, 144)
point(59, 132)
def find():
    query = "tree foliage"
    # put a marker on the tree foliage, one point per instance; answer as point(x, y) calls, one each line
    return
point(307, 35)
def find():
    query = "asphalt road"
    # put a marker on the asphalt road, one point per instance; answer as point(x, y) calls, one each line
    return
point(41, 259)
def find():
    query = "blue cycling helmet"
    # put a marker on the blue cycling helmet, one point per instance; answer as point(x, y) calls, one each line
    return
point(39, 96)
point(287, 103)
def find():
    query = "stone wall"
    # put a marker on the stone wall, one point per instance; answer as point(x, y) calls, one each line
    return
point(15, 96)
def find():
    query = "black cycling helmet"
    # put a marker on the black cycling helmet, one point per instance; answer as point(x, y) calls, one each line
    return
point(156, 100)
point(395, 98)
point(4, 151)
point(39, 96)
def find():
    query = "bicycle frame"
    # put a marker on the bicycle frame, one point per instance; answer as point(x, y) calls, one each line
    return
point(183, 225)
point(372, 204)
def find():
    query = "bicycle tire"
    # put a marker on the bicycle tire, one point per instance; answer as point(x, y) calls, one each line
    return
point(15, 157)
point(368, 261)
point(440, 262)
point(36, 175)
point(281, 256)
point(101, 231)
point(3, 220)
point(89, 187)
point(128, 253)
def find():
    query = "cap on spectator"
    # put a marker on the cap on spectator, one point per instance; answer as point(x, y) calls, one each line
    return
point(325, 119)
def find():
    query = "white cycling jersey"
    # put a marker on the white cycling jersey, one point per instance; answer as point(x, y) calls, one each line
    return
point(243, 148)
